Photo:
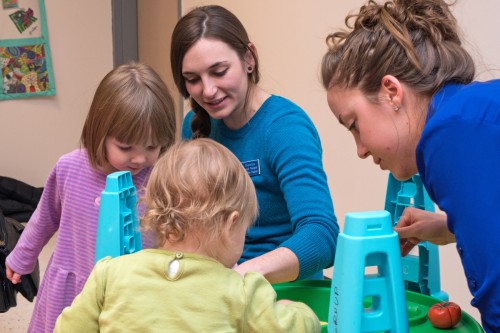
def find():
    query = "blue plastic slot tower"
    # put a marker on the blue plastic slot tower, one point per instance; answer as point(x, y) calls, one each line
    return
point(118, 225)
point(361, 301)
point(420, 272)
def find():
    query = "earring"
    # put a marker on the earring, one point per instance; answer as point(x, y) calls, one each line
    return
point(395, 108)
point(249, 69)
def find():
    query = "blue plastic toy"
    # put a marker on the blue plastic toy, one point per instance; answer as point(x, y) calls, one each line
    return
point(421, 272)
point(118, 226)
point(361, 302)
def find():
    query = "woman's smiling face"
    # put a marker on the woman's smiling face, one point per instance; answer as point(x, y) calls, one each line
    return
point(217, 79)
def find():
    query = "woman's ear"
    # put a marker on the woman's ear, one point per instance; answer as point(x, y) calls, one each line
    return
point(391, 90)
point(250, 56)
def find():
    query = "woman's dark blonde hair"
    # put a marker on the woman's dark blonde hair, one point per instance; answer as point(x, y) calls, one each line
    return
point(194, 188)
point(415, 41)
point(133, 105)
point(217, 23)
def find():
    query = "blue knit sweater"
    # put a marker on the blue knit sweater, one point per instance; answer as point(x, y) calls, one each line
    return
point(281, 150)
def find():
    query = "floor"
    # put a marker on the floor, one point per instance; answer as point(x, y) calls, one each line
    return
point(16, 320)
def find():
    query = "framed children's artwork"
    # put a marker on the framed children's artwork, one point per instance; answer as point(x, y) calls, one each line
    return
point(24, 50)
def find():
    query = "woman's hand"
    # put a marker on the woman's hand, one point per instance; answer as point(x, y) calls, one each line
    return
point(416, 225)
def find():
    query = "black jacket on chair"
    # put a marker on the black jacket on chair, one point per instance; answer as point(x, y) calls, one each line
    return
point(18, 200)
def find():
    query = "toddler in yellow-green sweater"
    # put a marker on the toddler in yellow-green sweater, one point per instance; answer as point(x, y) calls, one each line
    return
point(200, 202)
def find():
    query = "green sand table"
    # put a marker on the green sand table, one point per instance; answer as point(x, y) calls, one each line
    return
point(316, 294)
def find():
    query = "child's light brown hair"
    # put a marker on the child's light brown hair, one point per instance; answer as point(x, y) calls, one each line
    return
point(195, 187)
point(133, 105)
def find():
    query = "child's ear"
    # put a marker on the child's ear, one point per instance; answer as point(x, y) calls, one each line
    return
point(231, 222)
point(233, 219)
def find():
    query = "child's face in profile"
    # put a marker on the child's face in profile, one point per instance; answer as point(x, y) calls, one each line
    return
point(125, 157)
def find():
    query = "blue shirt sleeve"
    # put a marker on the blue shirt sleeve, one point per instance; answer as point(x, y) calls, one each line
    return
point(295, 152)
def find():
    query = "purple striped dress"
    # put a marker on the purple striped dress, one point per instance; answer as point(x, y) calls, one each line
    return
point(68, 205)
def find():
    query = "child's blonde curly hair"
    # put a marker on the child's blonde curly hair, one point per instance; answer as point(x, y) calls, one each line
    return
point(194, 188)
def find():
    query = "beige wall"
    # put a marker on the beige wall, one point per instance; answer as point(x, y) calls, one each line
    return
point(289, 36)
point(156, 21)
point(35, 132)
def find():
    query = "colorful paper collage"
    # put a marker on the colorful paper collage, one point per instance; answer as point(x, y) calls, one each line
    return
point(24, 50)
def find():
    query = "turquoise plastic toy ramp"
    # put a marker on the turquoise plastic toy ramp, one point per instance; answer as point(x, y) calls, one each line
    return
point(421, 271)
point(367, 241)
point(118, 226)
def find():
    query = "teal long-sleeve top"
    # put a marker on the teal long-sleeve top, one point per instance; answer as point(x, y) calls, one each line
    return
point(281, 151)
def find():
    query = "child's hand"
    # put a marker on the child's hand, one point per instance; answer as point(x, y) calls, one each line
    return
point(13, 276)
point(284, 301)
